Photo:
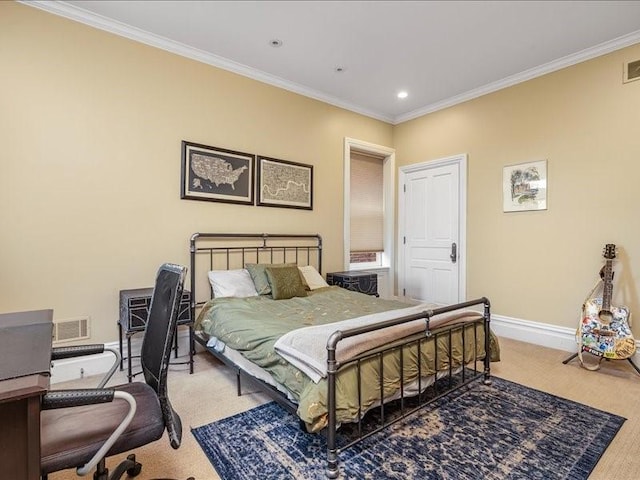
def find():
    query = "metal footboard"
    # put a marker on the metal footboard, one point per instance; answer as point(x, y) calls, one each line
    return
point(235, 250)
point(467, 374)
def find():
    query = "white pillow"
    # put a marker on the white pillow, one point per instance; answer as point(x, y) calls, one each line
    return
point(312, 277)
point(232, 283)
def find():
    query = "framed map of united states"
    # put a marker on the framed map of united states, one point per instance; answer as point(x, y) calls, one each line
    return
point(216, 174)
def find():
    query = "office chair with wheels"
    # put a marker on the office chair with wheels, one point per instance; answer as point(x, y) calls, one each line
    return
point(80, 428)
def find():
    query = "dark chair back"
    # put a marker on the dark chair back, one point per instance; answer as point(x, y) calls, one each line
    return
point(159, 339)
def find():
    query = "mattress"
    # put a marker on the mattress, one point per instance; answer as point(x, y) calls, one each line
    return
point(247, 329)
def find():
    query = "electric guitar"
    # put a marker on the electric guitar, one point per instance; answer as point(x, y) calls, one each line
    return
point(604, 330)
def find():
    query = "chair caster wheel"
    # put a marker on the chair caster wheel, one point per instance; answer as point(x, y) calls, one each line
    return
point(135, 470)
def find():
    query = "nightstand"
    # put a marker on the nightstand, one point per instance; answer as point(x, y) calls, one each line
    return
point(134, 312)
point(358, 281)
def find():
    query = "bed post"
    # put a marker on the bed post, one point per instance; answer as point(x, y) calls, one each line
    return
point(487, 341)
point(332, 453)
point(319, 253)
point(192, 276)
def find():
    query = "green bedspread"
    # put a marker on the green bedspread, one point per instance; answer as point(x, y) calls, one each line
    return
point(252, 325)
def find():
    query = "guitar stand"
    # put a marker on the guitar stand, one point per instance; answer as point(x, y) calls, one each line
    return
point(571, 357)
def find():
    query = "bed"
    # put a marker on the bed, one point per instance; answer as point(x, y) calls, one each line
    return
point(327, 354)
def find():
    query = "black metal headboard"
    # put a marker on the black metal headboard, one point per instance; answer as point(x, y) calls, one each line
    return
point(227, 251)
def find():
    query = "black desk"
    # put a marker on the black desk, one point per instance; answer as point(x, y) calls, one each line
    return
point(25, 345)
point(134, 312)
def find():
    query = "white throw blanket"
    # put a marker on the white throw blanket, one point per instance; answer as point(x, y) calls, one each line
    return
point(306, 348)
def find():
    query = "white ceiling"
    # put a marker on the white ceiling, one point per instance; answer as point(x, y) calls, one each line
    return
point(441, 53)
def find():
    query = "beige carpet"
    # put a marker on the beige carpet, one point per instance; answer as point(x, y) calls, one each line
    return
point(210, 394)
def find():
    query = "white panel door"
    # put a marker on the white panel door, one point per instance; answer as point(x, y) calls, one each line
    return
point(431, 229)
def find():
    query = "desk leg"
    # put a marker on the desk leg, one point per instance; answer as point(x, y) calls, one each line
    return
point(120, 340)
point(192, 348)
point(129, 376)
point(20, 439)
point(175, 343)
point(33, 426)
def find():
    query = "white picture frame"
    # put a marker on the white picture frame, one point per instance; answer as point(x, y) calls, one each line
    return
point(524, 186)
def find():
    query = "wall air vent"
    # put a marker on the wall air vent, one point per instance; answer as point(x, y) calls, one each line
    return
point(71, 329)
point(631, 71)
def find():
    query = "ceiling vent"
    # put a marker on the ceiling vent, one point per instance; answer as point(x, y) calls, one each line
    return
point(72, 329)
point(631, 71)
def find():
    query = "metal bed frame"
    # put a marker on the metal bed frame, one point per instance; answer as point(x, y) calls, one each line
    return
point(307, 250)
point(248, 247)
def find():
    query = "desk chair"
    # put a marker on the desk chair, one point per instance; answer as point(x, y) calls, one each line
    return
point(80, 428)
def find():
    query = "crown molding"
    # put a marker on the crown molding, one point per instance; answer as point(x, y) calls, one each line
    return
point(573, 59)
point(77, 14)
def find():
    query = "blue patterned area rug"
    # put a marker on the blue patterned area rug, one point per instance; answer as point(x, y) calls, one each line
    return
point(500, 431)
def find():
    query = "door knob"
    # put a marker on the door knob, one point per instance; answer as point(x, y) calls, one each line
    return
point(454, 252)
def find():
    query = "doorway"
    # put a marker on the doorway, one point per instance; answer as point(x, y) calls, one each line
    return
point(432, 230)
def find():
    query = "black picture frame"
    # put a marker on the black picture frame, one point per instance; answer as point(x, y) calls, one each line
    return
point(216, 174)
point(284, 184)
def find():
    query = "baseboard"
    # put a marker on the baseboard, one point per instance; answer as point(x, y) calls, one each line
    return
point(76, 368)
point(543, 334)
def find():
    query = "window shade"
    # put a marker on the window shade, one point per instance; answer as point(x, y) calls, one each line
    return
point(367, 204)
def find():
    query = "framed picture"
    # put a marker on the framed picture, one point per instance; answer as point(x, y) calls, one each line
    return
point(216, 175)
point(284, 184)
point(524, 186)
point(631, 71)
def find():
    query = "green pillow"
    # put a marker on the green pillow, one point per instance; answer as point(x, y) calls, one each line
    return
point(286, 282)
point(259, 275)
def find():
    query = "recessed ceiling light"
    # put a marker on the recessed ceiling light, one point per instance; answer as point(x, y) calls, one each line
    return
point(275, 43)
point(403, 94)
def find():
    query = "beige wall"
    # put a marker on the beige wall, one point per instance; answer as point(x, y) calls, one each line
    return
point(585, 122)
point(90, 132)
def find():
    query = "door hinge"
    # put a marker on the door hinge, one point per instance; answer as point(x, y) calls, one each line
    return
point(404, 188)
point(404, 292)
point(404, 240)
